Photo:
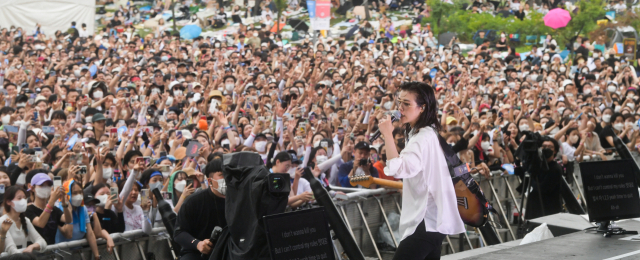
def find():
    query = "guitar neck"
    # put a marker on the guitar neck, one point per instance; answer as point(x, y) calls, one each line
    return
point(388, 183)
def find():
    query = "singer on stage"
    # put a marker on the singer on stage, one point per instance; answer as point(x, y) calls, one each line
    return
point(429, 208)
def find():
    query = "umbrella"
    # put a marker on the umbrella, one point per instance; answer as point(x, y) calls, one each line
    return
point(190, 31)
point(445, 38)
point(557, 18)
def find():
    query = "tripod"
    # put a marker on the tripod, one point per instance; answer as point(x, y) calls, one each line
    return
point(526, 183)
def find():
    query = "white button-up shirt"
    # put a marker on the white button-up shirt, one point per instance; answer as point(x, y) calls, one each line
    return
point(428, 192)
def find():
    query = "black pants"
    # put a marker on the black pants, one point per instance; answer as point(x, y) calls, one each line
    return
point(420, 245)
point(193, 256)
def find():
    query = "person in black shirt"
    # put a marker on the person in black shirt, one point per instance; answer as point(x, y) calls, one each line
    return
point(110, 221)
point(546, 184)
point(45, 217)
point(200, 214)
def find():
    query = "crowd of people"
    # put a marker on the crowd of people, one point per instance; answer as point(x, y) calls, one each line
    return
point(91, 123)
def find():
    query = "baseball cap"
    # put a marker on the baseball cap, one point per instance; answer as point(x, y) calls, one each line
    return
point(40, 179)
point(362, 145)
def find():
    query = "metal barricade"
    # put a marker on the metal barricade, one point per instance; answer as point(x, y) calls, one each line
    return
point(130, 245)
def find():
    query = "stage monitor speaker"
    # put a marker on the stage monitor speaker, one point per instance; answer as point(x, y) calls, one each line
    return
point(298, 25)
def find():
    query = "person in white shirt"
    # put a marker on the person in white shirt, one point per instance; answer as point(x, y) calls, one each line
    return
point(21, 231)
point(429, 208)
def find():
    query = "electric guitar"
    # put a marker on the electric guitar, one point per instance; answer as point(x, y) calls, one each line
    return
point(367, 180)
point(469, 206)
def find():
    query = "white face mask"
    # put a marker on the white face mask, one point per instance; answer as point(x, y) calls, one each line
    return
point(606, 118)
point(342, 71)
point(222, 187)
point(6, 119)
point(485, 145)
point(505, 91)
point(587, 91)
point(618, 126)
point(560, 110)
point(169, 101)
point(229, 87)
point(107, 173)
point(545, 58)
point(387, 105)
point(292, 172)
point(523, 128)
point(103, 200)
point(255, 34)
point(321, 158)
point(20, 205)
point(611, 88)
point(76, 200)
point(180, 185)
point(573, 139)
point(261, 146)
point(43, 192)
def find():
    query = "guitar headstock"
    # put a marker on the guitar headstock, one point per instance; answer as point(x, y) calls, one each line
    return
point(363, 180)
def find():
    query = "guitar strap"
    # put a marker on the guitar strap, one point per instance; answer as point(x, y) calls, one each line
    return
point(452, 162)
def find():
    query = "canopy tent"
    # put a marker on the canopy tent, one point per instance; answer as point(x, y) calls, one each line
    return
point(52, 15)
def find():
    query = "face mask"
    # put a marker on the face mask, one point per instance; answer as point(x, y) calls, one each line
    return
point(180, 185)
point(229, 87)
point(6, 119)
point(505, 91)
point(321, 158)
point(20, 205)
point(164, 58)
point(617, 109)
point(547, 152)
point(606, 118)
point(76, 200)
point(103, 200)
point(573, 139)
point(43, 192)
point(523, 128)
point(97, 94)
point(387, 105)
point(155, 185)
point(316, 144)
point(292, 172)
point(595, 55)
point(486, 146)
point(177, 93)
point(342, 71)
point(107, 173)
point(618, 126)
point(169, 101)
point(330, 58)
point(631, 105)
point(401, 143)
point(544, 67)
point(545, 58)
point(587, 91)
point(222, 187)
point(563, 69)
point(560, 110)
point(261, 146)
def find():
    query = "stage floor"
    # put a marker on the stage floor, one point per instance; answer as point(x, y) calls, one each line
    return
point(577, 245)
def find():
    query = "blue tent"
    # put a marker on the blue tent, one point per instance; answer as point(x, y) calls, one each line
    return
point(190, 31)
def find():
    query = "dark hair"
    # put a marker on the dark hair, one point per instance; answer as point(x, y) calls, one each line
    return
point(129, 155)
point(425, 97)
point(146, 175)
point(9, 195)
point(97, 187)
point(212, 167)
point(282, 157)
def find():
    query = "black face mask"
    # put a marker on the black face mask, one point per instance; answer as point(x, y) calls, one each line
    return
point(401, 143)
point(547, 152)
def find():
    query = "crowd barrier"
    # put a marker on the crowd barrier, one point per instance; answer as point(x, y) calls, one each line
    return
point(364, 212)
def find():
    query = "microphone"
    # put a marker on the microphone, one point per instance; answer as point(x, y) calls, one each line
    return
point(395, 116)
point(215, 233)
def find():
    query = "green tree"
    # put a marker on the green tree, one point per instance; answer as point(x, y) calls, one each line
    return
point(582, 22)
point(280, 6)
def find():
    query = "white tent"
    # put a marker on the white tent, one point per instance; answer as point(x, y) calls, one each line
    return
point(52, 15)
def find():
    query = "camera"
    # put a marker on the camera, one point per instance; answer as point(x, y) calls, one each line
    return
point(363, 162)
point(530, 153)
point(279, 183)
